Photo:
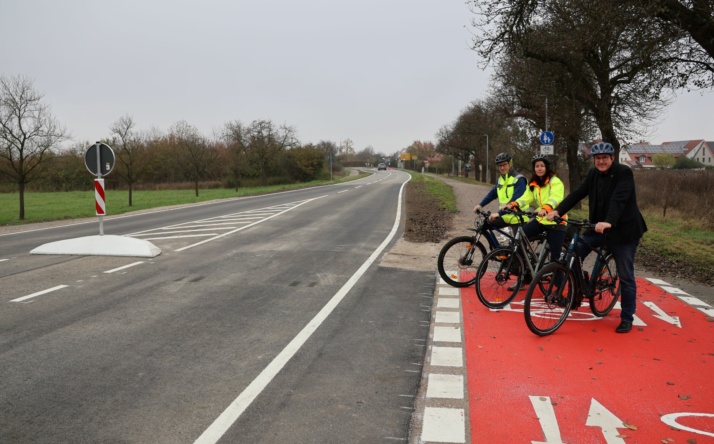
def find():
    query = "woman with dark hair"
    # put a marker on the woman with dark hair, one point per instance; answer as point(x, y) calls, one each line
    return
point(545, 191)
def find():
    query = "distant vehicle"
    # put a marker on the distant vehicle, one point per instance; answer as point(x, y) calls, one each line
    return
point(382, 166)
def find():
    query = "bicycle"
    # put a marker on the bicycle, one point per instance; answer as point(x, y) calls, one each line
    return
point(465, 253)
point(501, 273)
point(557, 289)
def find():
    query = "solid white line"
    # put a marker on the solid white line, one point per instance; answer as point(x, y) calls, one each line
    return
point(219, 427)
point(39, 293)
point(124, 267)
point(3, 260)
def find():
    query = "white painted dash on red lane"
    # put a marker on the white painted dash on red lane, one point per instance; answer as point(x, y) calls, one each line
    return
point(39, 293)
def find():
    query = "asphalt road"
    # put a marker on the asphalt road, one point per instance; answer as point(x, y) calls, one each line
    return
point(264, 320)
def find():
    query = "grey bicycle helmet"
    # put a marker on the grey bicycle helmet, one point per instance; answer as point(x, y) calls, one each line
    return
point(603, 148)
point(541, 157)
point(503, 157)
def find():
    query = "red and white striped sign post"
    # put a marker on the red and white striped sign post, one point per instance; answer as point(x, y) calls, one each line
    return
point(99, 203)
point(99, 160)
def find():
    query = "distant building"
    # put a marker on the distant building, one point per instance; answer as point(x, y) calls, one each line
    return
point(639, 155)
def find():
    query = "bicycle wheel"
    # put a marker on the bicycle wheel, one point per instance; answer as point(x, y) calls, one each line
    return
point(458, 260)
point(607, 287)
point(499, 278)
point(546, 310)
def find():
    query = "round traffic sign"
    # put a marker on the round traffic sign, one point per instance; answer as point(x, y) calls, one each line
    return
point(547, 138)
point(99, 159)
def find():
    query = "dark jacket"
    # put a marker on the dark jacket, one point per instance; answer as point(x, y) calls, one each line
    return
point(618, 202)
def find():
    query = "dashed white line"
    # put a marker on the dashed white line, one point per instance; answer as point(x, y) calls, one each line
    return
point(39, 293)
point(124, 267)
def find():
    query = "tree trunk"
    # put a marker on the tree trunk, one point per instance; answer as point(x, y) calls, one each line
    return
point(21, 186)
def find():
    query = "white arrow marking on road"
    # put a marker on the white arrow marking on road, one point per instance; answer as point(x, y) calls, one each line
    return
point(548, 422)
point(674, 320)
point(599, 416)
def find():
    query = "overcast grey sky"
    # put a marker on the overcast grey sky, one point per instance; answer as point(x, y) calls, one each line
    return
point(379, 72)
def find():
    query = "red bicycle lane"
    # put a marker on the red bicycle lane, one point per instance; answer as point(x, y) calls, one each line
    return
point(587, 384)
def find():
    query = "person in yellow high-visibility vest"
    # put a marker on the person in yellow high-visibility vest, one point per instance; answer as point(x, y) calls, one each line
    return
point(545, 191)
point(510, 186)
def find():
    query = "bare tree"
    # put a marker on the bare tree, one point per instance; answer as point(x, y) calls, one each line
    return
point(265, 142)
point(28, 133)
point(234, 137)
point(687, 25)
point(129, 149)
point(612, 63)
point(195, 154)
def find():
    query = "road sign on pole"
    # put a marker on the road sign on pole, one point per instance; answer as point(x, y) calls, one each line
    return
point(99, 159)
point(546, 138)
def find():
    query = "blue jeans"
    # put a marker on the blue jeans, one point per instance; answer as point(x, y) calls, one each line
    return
point(624, 254)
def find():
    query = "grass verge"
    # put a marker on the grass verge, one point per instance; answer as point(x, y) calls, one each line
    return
point(443, 193)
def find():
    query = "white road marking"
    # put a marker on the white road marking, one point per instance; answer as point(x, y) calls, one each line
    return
point(447, 356)
point(447, 303)
point(548, 421)
point(3, 260)
point(447, 334)
point(444, 425)
point(660, 314)
point(124, 267)
point(445, 386)
point(236, 408)
point(599, 416)
point(39, 293)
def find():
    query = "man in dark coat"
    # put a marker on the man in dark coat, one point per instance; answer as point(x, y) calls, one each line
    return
point(610, 188)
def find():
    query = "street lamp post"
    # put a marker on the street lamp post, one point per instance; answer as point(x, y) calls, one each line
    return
point(488, 178)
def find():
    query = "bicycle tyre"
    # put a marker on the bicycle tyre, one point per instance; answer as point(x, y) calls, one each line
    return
point(496, 284)
point(450, 261)
point(607, 288)
point(545, 311)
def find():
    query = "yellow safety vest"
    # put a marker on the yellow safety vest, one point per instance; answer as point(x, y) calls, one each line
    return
point(505, 189)
point(547, 197)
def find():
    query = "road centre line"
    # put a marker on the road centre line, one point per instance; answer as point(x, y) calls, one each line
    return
point(124, 267)
point(236, 408)
point(39, 293)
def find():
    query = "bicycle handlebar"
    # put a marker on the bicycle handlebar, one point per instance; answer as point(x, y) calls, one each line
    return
point(578, 223)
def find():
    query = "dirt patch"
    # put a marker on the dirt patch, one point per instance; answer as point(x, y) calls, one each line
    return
point(425, 220)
